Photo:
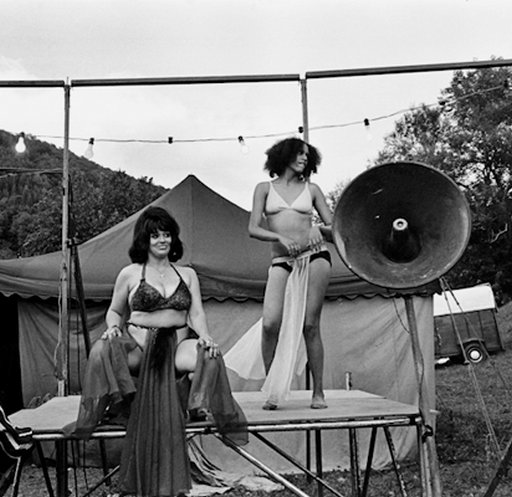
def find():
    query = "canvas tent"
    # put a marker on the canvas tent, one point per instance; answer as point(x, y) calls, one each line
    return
point(363, 326)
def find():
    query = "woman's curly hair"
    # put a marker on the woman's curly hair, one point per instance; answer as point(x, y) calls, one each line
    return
point(150, 221)
point(284, 152)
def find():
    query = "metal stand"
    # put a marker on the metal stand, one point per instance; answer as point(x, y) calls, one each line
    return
point(431, 482)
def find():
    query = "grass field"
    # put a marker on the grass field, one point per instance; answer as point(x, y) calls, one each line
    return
point(467, 396)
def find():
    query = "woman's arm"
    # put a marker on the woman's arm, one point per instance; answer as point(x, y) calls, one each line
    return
point(258, 207)
point(324, 212)
point(196, 314)
point(118, 305)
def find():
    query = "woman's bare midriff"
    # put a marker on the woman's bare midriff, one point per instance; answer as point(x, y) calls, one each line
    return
point(292, 225)
point(164, 318)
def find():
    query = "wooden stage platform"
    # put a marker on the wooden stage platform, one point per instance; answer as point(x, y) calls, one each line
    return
point(348, 409)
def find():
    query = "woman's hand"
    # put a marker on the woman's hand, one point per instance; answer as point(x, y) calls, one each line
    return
point(315, 239)
point(111, 332)
point(291, 246)
point(208, 343)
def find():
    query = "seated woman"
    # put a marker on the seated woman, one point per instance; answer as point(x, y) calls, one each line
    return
point(137, 359)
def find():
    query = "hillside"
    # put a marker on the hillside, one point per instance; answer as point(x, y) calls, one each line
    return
point(31, 197)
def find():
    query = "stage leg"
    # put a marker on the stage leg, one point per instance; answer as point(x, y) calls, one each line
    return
point(318, 460)
point(354, 463)
point(353, 447)
point(44, 468)
point(394, 460)
point(61, 468)
point(276, 476)
point(309, 474)
point(369, 461)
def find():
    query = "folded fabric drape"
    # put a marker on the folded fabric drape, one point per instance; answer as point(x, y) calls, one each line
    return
point(245, 358)
point(157, 415)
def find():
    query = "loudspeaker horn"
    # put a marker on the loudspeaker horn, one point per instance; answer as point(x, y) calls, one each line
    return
point(401, 225)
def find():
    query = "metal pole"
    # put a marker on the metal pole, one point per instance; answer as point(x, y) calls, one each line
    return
point(187, 80)
point(375, 71)
point(63, 336)
point(304, 99)
point(256, 462)
point(354, 448)
point(305, 135)
point(428, 444)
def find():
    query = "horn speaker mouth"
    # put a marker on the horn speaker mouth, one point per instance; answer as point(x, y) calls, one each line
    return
point(401, 225)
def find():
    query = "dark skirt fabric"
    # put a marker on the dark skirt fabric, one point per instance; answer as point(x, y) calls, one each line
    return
point(210, 390)
point(107, 384)
point(154, 460)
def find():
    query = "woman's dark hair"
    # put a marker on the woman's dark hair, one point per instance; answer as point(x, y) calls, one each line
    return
point(284, 152)
point(150, 221)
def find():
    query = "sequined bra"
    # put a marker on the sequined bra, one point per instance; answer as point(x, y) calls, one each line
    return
point(147, 298)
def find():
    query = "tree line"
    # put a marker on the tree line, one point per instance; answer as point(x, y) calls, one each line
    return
point(31, 195)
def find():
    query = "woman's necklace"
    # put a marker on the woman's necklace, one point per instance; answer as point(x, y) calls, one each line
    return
point(162, 272)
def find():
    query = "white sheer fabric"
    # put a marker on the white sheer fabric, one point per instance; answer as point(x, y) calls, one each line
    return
point(290, 357)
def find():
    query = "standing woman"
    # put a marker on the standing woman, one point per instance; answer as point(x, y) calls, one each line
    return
point(153, 299)
point(282, 213)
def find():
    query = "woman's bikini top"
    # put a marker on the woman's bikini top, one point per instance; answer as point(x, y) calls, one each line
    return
point(147, 298)
point(275, 203)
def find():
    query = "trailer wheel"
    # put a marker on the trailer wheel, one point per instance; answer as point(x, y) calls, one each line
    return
point(475, 352)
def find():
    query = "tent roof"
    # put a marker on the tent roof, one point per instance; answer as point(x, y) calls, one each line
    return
point(229, 263)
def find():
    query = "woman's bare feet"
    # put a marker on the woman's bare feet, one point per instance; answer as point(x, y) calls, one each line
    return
point(318, 402)
point(269, 406)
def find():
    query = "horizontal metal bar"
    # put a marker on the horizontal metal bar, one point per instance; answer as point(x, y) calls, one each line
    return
point(210, 429)
point(187, 80)
point(374, 71)
point(32, 84)
point(257, 78)
point(334, 425)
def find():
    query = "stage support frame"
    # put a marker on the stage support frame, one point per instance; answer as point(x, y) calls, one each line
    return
point(349, 410)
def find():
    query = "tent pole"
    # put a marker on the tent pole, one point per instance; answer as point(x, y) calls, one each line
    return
point(62, 342)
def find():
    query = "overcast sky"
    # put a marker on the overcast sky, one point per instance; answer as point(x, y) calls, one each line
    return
point(87, 39)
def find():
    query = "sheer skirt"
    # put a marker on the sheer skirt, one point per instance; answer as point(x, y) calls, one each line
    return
point(154, 460)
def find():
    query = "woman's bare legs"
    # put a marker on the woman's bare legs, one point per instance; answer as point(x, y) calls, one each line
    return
point(319, 273)
point(185, 358)
point(272, 317)
point(272, 313)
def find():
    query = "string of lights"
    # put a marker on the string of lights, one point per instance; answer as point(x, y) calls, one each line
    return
point(241, 139)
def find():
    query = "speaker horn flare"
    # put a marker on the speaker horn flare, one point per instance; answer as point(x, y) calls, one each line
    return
point(401, 225)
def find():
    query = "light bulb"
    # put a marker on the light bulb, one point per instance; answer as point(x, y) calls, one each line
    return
point(243, 145)
point(369, 135)
point(20, 146)
point(89, 152)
